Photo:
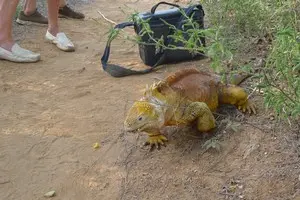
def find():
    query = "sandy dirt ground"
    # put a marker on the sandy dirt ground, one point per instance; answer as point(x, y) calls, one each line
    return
point(54, 110)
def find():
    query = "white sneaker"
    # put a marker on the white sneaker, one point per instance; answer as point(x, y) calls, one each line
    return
point(18, 54)
point(61, 41)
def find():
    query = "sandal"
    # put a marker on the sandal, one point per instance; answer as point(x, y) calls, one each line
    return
point(61, 41)
point(18, 54)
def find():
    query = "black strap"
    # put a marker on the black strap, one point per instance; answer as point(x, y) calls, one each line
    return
point(115, 70)
point(119, 71)
point(170, 4)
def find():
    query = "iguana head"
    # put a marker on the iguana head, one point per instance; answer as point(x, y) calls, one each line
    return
point(143, 115)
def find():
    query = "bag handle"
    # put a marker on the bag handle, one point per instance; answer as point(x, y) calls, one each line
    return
point(153, 9)
point(116, 70)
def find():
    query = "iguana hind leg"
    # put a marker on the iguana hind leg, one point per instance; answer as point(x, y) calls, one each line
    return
point(237, 96)
point(200, 111)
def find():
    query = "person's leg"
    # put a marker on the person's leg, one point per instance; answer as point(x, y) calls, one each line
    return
point(9, 50)
point(53, 34)
point(7, 11)
point(31, 14)
point(62, 3)
point(29, 7)
point(53, 6)
point(66, 11)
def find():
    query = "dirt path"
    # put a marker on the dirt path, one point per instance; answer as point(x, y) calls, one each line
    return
point(53, 111)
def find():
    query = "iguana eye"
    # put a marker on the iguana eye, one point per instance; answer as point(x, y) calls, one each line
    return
point(140, 118)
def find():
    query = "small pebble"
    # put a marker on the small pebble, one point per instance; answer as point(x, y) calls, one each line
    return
point(96, 145)
point(50, 194)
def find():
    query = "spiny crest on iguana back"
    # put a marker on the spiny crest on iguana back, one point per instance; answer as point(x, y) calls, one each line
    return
point(191, 74)
point(194, 85)
point(234, 79)
point(186, 72)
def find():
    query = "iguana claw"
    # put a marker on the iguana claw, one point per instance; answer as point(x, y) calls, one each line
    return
point(156, 141)
point(248, 107)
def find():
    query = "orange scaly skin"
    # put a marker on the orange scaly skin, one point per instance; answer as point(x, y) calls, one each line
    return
point(182, 98)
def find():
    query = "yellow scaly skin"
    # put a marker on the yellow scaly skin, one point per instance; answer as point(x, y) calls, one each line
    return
point(161, 106)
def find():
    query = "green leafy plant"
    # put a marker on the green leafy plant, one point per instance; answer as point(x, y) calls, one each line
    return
point(280, 78)
point(280, 21)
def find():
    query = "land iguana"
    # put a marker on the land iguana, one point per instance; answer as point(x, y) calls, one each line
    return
point(185, 97)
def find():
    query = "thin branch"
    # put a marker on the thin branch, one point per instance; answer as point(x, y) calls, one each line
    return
point(227, 194)
point(4, 182)
point(279, 88)
point(110, 21)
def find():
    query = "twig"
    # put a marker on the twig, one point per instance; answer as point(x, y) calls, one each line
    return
point(279, 88)
point(227, 194)
point(4, 182)
point(110, 21)
point(254, 126)
point(254, 90)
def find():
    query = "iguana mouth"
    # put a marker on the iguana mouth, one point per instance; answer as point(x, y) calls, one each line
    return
point(128, 129)
point(134, 130)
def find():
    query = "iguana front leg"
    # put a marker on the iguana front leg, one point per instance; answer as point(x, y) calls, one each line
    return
point(156, 140)
point(237, 96)
point(200, 111)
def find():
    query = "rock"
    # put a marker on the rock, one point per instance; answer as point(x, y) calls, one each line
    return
point(50, 194)
point(96, 145)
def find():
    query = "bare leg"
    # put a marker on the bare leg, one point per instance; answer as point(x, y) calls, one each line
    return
point(62, 3)
point(7, 11)
point(53, 34)
point(29, 7)
point(53, 6)
point(9, 49)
